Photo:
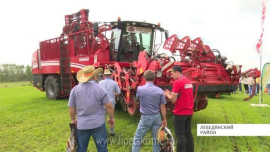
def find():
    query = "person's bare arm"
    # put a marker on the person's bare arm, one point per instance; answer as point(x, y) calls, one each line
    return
point(171, 95)
point(163, 113)
point(72, 114)
point(116, 94)
point(109, 109)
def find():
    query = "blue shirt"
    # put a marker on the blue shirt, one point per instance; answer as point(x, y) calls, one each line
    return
point(111, 87)
point(88, 98)
point(150, 97)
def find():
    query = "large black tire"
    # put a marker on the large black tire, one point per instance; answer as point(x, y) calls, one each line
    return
point(121, 100)
point(201, 103)
point(53, 87)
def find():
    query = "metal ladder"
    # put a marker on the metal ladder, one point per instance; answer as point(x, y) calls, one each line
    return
point(65, 72)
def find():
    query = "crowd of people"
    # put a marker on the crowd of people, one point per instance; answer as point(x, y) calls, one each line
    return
point(248, 83)
point(91, 101)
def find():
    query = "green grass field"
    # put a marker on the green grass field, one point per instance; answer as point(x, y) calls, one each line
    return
point(31, 122)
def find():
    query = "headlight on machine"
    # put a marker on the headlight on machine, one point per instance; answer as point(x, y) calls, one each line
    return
point(159, 74)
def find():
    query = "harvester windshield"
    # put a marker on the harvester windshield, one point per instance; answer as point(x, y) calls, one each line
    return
point(128, 38)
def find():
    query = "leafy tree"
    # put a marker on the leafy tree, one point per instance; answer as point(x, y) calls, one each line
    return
point(28, 72)
point(13, 73)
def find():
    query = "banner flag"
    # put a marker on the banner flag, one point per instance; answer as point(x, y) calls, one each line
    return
point(258, 46)
point(265, 75)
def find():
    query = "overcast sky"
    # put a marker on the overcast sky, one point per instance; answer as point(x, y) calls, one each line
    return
point(231, 26)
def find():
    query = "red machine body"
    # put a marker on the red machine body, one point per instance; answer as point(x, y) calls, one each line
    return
point(210, 73)
point(129, 48)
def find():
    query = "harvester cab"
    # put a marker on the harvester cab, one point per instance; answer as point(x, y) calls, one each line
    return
point(129, 38)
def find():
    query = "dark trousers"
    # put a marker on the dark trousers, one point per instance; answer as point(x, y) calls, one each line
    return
point(258, 87)
point(246, 88)
point(184, 139)
point(240, 87)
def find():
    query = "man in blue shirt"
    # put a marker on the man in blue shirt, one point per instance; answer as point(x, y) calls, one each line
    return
point(87, 101)
point(113, 91)
point(152, 103)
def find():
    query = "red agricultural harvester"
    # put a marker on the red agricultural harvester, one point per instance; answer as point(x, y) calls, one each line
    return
point(129, 48)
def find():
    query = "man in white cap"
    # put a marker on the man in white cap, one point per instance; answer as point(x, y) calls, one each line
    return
point(113, 91)
point(87, 101)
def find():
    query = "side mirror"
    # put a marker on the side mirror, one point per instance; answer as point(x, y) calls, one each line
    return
point(166, 34)
point(96, 29)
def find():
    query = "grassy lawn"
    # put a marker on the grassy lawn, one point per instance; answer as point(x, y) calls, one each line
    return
point(31, 122)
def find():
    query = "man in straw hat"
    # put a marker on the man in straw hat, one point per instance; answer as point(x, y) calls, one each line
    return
point(182, 97)
point(86, 101)
point(113, 91)
point(152, 106)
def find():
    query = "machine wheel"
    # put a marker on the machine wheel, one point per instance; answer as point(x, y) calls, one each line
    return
point(200, 103)
point(132, 108)
point(52, 87)
point(123, 103)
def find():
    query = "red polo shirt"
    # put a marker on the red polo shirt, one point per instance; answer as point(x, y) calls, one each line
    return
point(184, 104)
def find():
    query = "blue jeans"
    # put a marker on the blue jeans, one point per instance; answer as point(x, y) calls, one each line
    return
point(250, 88)
point(100, 137)
point(147, 122)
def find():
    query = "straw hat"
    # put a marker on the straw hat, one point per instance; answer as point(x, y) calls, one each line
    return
point(87, 73)
point(107, 72)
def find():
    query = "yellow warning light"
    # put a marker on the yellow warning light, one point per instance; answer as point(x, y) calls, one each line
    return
point(58, 72)
point(141, 70)
point(72, 71)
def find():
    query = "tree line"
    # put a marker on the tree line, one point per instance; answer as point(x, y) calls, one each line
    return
point(14, 73)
